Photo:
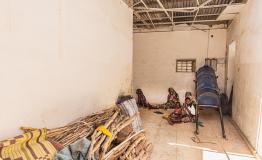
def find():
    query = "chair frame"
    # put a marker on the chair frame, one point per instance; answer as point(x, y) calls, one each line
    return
point(220, 115)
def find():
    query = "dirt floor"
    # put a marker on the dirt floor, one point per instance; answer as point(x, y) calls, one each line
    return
point(175, 143)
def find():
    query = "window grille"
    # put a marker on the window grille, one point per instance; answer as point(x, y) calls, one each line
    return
point(212, 62)
point(185, 65)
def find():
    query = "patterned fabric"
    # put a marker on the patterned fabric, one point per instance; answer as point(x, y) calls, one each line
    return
point(130, 108)
point(175, 117)
point(172, 95)
point(76, 151)
point(29, 146)
point(172, 99)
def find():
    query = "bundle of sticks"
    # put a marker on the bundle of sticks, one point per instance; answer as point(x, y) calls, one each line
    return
point(101, 144)
point(78, 129)
point(135, 147)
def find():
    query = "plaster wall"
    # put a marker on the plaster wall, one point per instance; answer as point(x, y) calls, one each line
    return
point(155, 57)
point(246, 30)
point(61, 59)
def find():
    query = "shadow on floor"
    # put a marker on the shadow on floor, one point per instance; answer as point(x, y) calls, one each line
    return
point(175, 143)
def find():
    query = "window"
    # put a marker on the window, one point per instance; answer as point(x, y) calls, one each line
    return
point(185, 65)
point(212, 62)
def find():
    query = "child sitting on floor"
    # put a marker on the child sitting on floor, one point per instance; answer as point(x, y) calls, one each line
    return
point(176, 115)
point(190, 108)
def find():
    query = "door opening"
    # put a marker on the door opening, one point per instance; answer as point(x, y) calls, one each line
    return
point(230, 68)
point(259, 143)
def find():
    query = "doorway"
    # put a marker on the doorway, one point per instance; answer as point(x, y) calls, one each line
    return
point(230, 68)
point(259, 143)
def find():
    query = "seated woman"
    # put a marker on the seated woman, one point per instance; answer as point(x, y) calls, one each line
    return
point(141, 99)
point(176, 116)
point(172, 98)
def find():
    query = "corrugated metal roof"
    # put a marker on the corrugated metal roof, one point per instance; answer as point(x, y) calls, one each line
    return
point(156, 13)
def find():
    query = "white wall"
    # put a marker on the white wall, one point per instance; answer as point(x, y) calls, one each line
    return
point(61, 59)
point(155, 57)
point(246, 30)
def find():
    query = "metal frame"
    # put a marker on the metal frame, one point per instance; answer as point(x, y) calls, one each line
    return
point(154, 14)
point(181, 22)
point(148, 13)
point(220, 116)
point(187, 16)
point(183, 9)
point(164, 9)
point(209, 106)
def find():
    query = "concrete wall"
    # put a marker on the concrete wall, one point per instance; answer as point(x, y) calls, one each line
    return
point(155, 57)
point(246, 30)
point(61, 59)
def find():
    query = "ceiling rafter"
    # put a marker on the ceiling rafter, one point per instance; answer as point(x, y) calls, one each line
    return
point(197, 2)
point(148, 13)
point(195, 16)
point(181, 22)
point(169, 13)
point(187, 16)
point(183, 9)
point(140, 18)
point(164, 9)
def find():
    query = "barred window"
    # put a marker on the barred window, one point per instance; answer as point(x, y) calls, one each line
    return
point(185, 65)
point(212, 62)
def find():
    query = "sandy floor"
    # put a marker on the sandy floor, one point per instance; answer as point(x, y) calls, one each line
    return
point(174, 142)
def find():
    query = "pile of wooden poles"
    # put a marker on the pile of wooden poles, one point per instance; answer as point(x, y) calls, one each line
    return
point(76, 130)
point(134, 145)
point(100, 143)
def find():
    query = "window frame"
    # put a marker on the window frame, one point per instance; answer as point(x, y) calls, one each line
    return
point(193, 65)
point(212, 62)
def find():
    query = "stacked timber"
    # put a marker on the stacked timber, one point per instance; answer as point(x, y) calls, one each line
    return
point(111, 134)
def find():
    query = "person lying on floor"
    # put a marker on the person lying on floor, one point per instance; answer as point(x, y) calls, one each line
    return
point(141, 99)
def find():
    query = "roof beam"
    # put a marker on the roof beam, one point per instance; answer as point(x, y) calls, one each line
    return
point(151, 20)
point(140, 18)
point(181, 22)
point(195, 17)
point(203, 4)
point(164, 9)
point(160, 18)
point(197, 2)
point(183, 9)
point(148, 13)
point(134, 4)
